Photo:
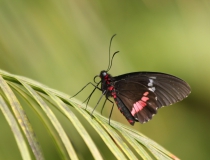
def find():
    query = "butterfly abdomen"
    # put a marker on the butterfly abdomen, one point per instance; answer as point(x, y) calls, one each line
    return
point(124, 110)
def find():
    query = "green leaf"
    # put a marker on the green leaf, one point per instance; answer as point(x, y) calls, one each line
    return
point(122, 141)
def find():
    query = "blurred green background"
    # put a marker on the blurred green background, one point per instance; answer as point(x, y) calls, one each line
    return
point(64, 44)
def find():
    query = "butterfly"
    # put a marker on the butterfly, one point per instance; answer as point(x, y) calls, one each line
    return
point(139, 95)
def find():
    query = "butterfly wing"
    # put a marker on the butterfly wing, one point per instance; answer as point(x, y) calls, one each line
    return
point(144, 92)
point(141, 102)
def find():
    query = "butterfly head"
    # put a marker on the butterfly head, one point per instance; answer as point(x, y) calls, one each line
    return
point(103, 74)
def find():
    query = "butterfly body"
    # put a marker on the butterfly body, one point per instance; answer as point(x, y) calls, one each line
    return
point(138, 95)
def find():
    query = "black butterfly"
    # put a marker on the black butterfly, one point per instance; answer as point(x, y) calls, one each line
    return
point(138, 95)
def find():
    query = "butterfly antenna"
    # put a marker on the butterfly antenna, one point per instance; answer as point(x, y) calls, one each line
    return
point(110, 60)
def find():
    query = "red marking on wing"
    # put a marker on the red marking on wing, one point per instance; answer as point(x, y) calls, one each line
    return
point(144, 99)
point(139, 105)
point(110, 88)
point(146, 93)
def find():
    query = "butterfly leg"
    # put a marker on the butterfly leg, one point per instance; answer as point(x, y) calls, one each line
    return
point(103, 105)
point(104, 92)
point(96, 87)
point(88, 98)
point(111, 109)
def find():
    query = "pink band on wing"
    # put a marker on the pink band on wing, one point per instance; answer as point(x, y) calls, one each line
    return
point(144, 99)
point(146, 93)
point(139, 105)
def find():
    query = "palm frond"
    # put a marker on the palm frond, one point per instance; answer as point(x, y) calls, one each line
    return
point(122, 141)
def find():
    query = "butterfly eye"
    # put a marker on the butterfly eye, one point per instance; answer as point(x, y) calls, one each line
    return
point(104, 74)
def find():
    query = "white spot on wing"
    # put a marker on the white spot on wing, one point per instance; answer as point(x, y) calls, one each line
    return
point(151, 84)
point(153, 77)
point(152, 89)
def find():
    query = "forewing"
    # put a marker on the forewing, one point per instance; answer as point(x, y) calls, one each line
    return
point(168, 89)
